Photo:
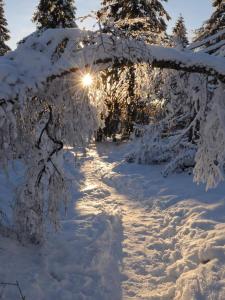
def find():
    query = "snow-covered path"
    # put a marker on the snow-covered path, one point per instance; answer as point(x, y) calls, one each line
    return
point(138, 265)
point(142, 246)
point(129, 234)
point(167, 243)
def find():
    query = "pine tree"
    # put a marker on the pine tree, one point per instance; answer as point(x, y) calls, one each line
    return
point(181, 87)
point(180, 39)
point(215, 23)
point(212, 45)
point(55, 14)
point(175, 87)
point(137, 19)
point(4, 32)
point(134, 17)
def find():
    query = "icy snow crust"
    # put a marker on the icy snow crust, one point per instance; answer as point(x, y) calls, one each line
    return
point(33, 63)
point(129, 234)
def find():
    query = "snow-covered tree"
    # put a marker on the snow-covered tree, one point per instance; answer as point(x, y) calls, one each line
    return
point(55, 14)
point(35, 132)
point(170, 87)
point(4, 32)
point(180, 34)
point(176, 85)
point(137, 19)
point(192, 122)
point(55, 118)
point(215, 23)
point(171, 137)
point(210, 157)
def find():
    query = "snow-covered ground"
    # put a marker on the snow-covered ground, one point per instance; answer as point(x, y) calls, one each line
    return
point(129, 234)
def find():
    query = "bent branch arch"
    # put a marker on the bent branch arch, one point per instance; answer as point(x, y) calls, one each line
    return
point(108, 49)
point(55, 53)
point(159, 57)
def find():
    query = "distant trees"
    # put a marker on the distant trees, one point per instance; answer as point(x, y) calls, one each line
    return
point(4, 32)
point(55, 14)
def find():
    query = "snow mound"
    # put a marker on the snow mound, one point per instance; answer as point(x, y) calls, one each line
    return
point(81, 263)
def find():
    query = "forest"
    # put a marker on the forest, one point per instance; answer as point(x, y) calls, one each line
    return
point(112, 153)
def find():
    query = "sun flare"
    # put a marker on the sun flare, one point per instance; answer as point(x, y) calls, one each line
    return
point(87, 80)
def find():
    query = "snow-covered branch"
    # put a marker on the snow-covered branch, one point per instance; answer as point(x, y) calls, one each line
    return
point(207, 40)
point(105, 49)
point(38, 59)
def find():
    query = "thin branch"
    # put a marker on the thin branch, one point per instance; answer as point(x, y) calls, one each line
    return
point(16, 284)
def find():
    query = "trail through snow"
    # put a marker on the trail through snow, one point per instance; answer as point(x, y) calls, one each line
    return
point(173, 243)
point(142, 261)
point(129, 234)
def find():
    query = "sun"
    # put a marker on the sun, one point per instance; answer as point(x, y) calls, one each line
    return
point(87, 80)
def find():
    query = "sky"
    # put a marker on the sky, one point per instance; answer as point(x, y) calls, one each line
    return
point(19, 15)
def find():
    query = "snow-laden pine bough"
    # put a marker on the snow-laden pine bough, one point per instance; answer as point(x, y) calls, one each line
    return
point(44, 107)
point(209, 44)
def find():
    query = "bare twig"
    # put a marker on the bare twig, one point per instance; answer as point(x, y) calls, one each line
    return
point(16, 284)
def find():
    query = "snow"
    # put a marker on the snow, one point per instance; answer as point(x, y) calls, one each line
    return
point(129, 234)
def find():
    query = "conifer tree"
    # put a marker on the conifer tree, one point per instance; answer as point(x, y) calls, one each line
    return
point(137, 19)
point(180, 39)
point(4, 32)
point(55, 14)
point(176, 87)
point(213, 46)
point(215, 23)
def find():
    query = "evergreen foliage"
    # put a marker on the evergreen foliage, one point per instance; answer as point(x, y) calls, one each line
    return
point(135, 18)
point(180, 39)
point(215, 23)
point(55, 14)
point(176, 87)
point(4, 32)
